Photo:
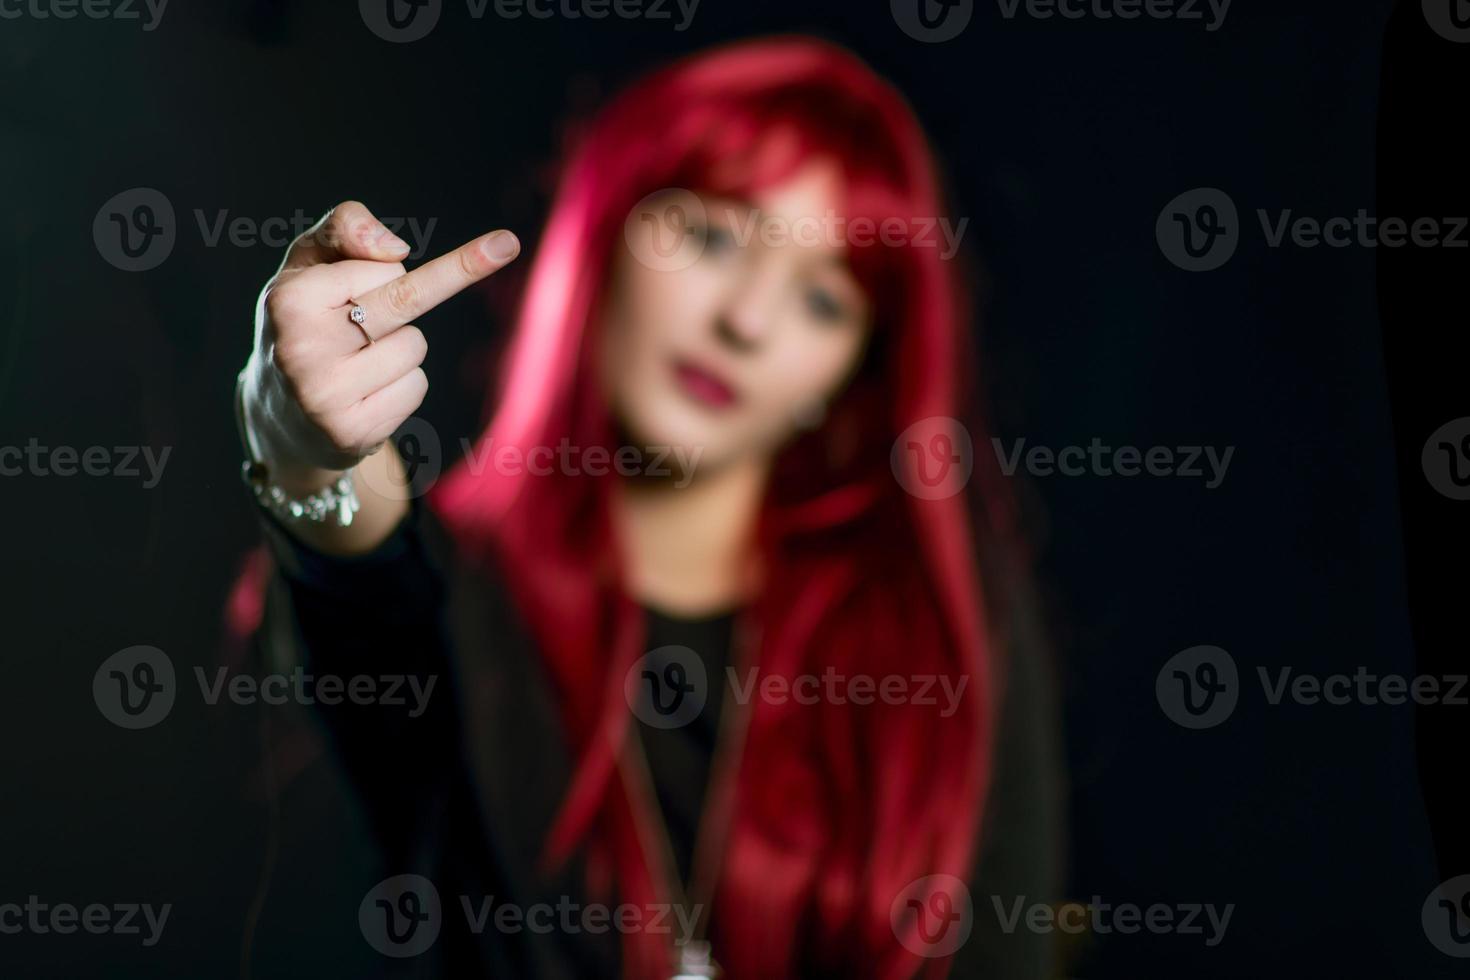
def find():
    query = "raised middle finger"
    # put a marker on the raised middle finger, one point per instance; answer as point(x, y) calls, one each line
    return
point(413, 294)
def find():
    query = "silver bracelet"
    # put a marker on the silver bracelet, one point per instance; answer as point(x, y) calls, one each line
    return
point(337, 503)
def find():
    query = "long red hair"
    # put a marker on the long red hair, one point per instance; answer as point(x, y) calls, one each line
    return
point(837, 807)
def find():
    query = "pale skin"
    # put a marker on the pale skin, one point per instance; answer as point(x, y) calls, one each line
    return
point(778, 325)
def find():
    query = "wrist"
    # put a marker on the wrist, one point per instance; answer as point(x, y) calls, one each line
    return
point(301, 480)
point(294, 476)
point(293, 492)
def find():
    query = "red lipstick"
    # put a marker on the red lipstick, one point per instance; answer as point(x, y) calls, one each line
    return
point(704, 386)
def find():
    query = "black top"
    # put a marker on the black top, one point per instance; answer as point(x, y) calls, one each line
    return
point(463, 794)
point(679, 756)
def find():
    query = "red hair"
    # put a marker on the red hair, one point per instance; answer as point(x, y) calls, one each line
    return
point(837, 808)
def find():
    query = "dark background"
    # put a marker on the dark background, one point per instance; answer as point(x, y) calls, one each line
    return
point(1062, 141)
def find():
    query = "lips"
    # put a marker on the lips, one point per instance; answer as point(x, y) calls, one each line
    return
point(704, 386)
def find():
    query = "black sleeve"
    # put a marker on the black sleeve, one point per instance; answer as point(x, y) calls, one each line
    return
point(1021, 848)
point(380, 616)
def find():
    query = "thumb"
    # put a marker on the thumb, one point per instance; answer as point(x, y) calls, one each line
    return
point(348, 231)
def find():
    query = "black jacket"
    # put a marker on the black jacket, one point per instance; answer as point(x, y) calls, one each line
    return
point(462, 794)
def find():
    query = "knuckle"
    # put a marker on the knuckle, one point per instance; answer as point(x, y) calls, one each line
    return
point(472, 263)
point(402, 296)
point(283, 301)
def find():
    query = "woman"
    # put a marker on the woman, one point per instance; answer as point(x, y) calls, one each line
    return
point(737, 672)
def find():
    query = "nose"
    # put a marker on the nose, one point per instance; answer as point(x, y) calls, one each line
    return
point(748, 314)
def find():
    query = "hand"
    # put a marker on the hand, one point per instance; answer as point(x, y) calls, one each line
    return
point(318, 396)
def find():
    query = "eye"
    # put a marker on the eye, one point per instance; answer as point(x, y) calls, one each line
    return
point(824, 306)
point(718, 238)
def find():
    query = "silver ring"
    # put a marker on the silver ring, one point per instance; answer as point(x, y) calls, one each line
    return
point(358, 316)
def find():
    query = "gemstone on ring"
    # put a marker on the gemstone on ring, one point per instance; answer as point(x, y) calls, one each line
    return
point(357, 314)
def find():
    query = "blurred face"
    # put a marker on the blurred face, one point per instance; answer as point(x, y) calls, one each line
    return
point(731, 347)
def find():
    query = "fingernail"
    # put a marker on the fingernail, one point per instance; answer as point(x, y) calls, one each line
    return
point(388, 241)
point(501, 246)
